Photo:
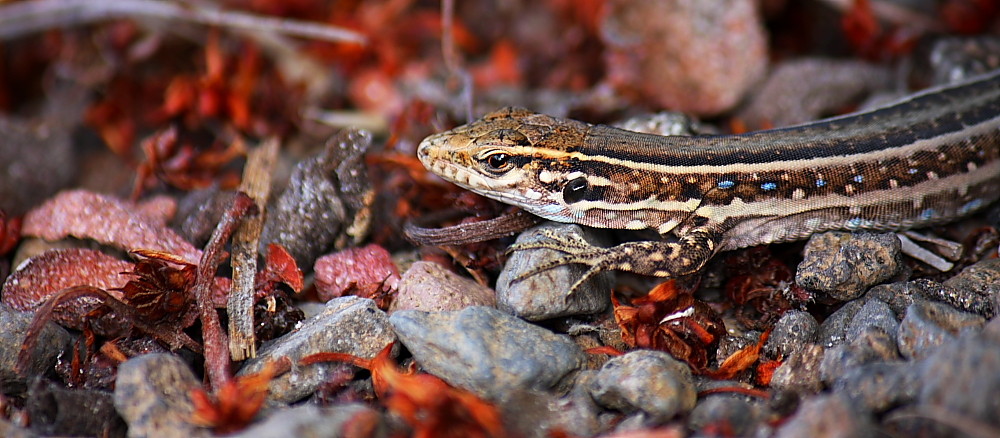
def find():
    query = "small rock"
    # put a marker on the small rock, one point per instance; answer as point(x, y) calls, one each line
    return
point(901, 294)
point(645, 380)
point(487, 351)
point(843, 265)
point(538, 414)
point(739, 416)
point(928, 325)
point(52, 342)
point(690, 56)
point(153, 395)
point(828, 416)
point(543, 295)
point(976, 289)
point(354, 269)
point(199, 212)
point(873, 313)
point(430, 287)
point(961, 378)
point(872, 345)
point(794, 330)
point(800, 374)
point(10, 430)
point(878, 386)
point(55, 410)
point(319, 422)
point(833, 330)
point(350, 325)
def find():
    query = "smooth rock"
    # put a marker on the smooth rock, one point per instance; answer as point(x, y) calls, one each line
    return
point(543, 295)
point(879, 386)
point(833, 330)
point(486, 351)
point(349, 325)
point(827, 416)
point(794, 330)
point(311, 421)
point(430, 287)
point(928, 325)
point(872, 345)
point(652, 382)
point(55, 410)
point(844, 265)
point(874, 313)
point(738, 415)
point(153, 396)
point(52, 342)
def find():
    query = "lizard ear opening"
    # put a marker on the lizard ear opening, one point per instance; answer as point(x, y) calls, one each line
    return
point(575, 190)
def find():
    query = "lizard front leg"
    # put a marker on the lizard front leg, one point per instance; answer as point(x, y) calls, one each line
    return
point(653, 258)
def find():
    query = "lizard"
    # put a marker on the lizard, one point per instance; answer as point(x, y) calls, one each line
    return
point(926, 159)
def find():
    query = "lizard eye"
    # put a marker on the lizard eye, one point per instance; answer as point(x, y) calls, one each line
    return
point(498, 162)
point(575, 190)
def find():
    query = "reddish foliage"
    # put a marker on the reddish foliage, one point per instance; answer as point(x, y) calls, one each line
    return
point(279, 267)
point(739, 361)
point(52, 271)
point(604, 349)
point(161, 287)
point(360, 271)
point(673, 321)
point(10, 233)
point(235, 404)
point(969, 17)
point(428, 404)
point(868, 38)
point(108, 220)
point(763, 286)
point(181, 165)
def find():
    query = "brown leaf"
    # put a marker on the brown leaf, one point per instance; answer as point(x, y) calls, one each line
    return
point(52, 271)
point(106, 219)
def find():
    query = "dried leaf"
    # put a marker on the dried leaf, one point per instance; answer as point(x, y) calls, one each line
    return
point(354, 268)
point(236, 403)
point(108, 220)
point(739, 361)
point(52, 271)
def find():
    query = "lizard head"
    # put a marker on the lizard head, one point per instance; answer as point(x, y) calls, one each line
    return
point(512, 155)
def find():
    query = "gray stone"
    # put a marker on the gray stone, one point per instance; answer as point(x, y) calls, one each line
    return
point(52, 341)
point(430, 287)
point(976, 289)
point(350, 325)
point(833, 330)
point(486, 351)
point(879, 386)
point(652, 382)
point(827, 416)
point(311, 421)
point(928, 325)
point(794, 330)
point(739, 415)
point(872, 345)
point(56, 410)
point(874, 313)
point(800, 374)
point(153, 396)
point(844, 265)
point(543, 295)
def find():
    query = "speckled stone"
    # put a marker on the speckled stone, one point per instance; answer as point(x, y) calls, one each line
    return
point(827, 416)
point(927, 325)
point(350, 325)
point(543, 295)
point(800, 373)
point(430, 287)
point(878, 386)
point(844, 265)
point(794, 330)
point(486, 351)
point(311, 421)
point(153, 395)
point(652, 382)
point(52, 342)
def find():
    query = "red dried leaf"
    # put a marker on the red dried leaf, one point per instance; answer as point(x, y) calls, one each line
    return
point(52, 271)
point(10, 233)
point(428, 404)
point(280, 266)
point(739, 361)
point(969, 17)
point(604, 349)
point(236, 403)
point(354, 269)
point(161, 288)
point(106, 219)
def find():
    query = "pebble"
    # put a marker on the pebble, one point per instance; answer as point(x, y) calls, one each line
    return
point(56, 410)
point(976, 289)
point(319, 422)
point(844, 265)
point(878, 386)
point(539, 414)
point(350, 325)
point(652, 382)
point(872, 345)
point(690, 56)
point(793, 331)
point(486, 351)
point(543, 295)
point(873, 313)
point(928, 325)
point(725, 415)
point(430, 287)
point(833, 330)
point(828, 416)
point(51, 343)
point(153, 396)
point(800, 373)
